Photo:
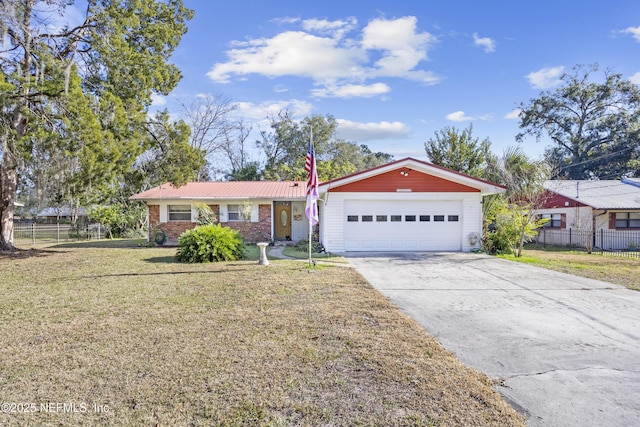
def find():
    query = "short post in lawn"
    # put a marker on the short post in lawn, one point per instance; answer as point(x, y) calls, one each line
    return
point(263, 253)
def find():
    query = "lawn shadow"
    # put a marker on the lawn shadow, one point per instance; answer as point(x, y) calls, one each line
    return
point(104, 244)
point(27, 253)
point(169, 259)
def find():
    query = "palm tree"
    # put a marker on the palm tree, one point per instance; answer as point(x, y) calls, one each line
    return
point(514, 213)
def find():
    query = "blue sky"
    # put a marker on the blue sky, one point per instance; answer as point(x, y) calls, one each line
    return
point(395, 72)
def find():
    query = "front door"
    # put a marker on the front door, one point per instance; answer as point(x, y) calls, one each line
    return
point(283, 221)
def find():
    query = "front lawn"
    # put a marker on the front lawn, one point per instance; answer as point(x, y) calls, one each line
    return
point(126, 336)
point(621, 271)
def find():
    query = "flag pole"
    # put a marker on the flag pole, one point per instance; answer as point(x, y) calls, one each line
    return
point(311, 208)
point(310, 236)
point(310, 217)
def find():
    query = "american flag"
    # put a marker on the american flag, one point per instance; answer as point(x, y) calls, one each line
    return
point(312, 184)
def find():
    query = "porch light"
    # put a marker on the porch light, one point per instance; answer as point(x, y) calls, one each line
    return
point(404, 172)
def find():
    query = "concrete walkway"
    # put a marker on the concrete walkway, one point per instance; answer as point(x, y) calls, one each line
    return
point(276, 252)
point(563, 350)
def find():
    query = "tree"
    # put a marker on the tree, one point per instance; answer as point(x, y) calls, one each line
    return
point(285, 148)
point(595, 126)
point(458, 151)
point(212, 127)
point(81, 88)
point(514, 216)
point(237, 153)
point(169, 156)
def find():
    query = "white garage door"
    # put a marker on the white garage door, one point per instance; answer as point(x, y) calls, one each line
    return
point(390, 225)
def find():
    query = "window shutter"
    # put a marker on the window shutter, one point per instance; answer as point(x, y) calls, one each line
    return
point(164, 216)
point(254, 213)
point(563, 221)
point(194, 213)
point(224, 214)
point(612, 221)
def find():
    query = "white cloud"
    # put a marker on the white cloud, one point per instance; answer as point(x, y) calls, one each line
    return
point(635, 79)
point(546, 78)
point(488, 44)
point(362, 132)
point(261, 111)
point(403, 48)
point(322, 52)
point(336, 29)
point(293, 53)
point(158, 100)
point(460, 116)
point(351, 91)
point(634, 31)
point(285, 20)
point(513, 115)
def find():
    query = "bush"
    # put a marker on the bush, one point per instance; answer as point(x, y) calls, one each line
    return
point(316, 247)
point(209, 243)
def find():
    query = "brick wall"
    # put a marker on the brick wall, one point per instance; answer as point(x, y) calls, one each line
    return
point(252, 231)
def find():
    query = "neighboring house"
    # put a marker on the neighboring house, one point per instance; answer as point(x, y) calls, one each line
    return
point(55, 214)
point(403, 205)
point(594, 208)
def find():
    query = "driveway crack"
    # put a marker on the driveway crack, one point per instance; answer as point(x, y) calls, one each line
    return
point(501, 381)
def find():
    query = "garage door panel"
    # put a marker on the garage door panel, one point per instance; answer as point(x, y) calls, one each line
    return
point(411, 232)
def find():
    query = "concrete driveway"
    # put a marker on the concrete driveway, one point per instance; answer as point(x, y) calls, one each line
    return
point(563, 350)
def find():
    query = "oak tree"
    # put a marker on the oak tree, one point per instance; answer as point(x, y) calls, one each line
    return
point(80, 88)
point(594, 126)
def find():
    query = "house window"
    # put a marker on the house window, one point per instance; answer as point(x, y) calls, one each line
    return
point(627, 219)
point(396, 218)
point(367, 218)
point(238, 213)
point(179, 212)
point(410, 218)
point(438, 217)
point(452, 218)
point(555, 220)
point(381, 218)
point(352, 218)
point(425, 218)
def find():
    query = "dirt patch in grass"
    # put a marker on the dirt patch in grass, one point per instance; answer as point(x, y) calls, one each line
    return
point(123, 336)
point(621, 271)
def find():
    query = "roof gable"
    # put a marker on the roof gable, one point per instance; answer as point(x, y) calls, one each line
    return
point(411, 174)
point(402, 180)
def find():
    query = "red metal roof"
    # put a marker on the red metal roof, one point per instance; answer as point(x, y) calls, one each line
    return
point(227, 190)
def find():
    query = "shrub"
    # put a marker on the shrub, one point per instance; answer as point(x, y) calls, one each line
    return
point(209, 243)
point(316, 247)
point(205, 214)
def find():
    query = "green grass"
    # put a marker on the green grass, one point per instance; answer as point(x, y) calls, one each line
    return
point(124, 327)
point(295, 252)
point(621, 271)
